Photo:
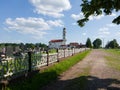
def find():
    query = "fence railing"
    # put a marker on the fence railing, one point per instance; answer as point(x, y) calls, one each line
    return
point(12, 67)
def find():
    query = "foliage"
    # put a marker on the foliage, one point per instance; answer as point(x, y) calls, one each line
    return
point(24, 46)
point(88, 43)
point(98, 7)
point(97, 43)
point(112, 44)
point(46, 76)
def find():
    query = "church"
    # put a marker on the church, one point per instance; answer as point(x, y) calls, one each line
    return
point(59, 43)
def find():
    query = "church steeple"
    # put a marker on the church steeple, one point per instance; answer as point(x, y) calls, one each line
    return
point(64, 35)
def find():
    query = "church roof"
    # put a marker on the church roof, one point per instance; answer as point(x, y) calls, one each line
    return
point(57, 40)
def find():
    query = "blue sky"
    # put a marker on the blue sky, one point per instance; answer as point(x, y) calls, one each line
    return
point(34, 21)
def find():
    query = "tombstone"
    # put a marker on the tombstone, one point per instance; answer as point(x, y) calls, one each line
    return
point(17, 49)
point(3, 50)
point(0, 49)
point(9, 51)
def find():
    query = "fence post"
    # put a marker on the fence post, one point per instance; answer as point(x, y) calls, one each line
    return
point(64, 52)
point(47, 52)
point(29, 61)
point(57, 55)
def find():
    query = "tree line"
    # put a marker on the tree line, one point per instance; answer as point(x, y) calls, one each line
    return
point(23, 46)
point(97, 43)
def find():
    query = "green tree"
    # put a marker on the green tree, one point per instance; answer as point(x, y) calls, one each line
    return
point(98, 7)
point(88, 43)
point(41, 45)
point(97, 43)
point(30, 45)
point(112, 44)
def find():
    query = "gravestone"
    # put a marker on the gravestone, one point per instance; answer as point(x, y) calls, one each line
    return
point(9, 51)
point(3, 50)
point(17, 49)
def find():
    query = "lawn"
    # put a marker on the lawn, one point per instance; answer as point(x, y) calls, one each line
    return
point(113, 59)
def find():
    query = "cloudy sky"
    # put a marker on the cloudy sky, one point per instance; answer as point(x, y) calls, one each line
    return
point(34, 21)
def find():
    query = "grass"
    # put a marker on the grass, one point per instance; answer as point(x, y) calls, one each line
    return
point(46, 76)
point(113, 59)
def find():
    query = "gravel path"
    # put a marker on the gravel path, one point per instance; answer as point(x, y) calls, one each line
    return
point(100, 77)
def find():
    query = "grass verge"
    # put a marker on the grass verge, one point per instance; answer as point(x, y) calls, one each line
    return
point(113, 59)
point(46, 76)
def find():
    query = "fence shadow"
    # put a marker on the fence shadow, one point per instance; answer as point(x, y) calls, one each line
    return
point(33, 80)
point(36, 81)
point(85, 83)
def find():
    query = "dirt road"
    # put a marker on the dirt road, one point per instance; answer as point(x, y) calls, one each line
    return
point(98, 75)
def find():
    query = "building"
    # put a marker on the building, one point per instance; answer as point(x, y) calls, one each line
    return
point(59, 43)
point(74, 45)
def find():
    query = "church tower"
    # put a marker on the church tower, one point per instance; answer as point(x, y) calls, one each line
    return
point(64, 35)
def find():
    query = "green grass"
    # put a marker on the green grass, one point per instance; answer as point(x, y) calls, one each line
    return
point(52, 51)
point(46, 76)
point(113, 59)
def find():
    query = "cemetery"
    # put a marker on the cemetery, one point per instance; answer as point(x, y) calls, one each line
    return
point(14, 62)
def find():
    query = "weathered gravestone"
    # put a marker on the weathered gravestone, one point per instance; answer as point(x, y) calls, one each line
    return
point(17, 49)
point(9, 51)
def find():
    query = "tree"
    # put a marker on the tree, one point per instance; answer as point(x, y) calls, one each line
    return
point(97, 7)
point(30, 45)
point(112, 44)
point(97, 43)
point(88, 43)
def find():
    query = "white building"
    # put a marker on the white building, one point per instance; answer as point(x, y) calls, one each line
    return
point(58, 43)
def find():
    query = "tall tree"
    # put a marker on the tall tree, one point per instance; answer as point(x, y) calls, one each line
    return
point(97, 43)
point(98, 7)
point(112, 44)
point(88, 43)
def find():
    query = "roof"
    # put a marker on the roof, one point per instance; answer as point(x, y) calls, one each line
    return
point(57, 40)
point(74, 43)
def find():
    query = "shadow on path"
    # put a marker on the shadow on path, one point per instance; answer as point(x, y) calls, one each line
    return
point(85, 83)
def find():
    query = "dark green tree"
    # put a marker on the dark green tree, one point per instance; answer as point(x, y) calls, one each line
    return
point(98, 7)
point(30, 45)
point(88, 43)
point(97, 43)
point(112, 44)
point(41, 45)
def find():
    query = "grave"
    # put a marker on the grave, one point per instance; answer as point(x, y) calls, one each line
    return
point(9, 51)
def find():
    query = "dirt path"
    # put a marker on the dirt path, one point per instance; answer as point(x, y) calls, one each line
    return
point(100, 77)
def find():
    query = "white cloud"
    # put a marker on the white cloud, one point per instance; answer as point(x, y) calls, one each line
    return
point(103, 29)
point(74, 24)
point(52, 8)
point(96, 17)
point(77, 16)
point(80, 16)
point(113, 15)
point(57, 23)
point(103, 32)
point(111, 25)
point(84, 34)
point(118, 33)
point(32, 26)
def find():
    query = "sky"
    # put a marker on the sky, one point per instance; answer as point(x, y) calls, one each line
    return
point(35, 21)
